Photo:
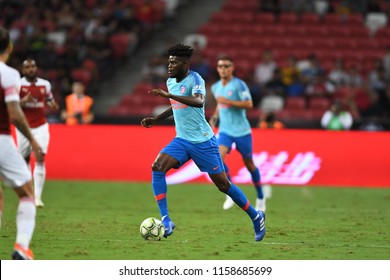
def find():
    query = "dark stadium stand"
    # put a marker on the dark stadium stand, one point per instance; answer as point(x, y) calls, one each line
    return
point(92, 50)
point(243, 31)
point(78, 40)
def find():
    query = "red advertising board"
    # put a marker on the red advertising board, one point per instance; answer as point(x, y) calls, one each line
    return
point(285, 157)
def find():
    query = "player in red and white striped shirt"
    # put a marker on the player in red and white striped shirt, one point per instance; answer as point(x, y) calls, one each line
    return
point(13, 169)
point(35, 94)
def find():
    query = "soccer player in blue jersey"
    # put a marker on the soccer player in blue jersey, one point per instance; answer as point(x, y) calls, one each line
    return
point(194, 139)
point(233, 98)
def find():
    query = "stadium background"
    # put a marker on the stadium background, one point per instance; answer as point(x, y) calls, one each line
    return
point(115, 46)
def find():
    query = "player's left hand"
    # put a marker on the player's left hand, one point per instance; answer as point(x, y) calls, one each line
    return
point(148, 122)
point(53, 105)
point(160, 92)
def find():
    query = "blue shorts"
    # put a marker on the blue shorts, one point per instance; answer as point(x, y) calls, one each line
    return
point(205, 155)
point(243, 144)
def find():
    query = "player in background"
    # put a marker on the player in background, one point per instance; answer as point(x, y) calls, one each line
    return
point(233, 98)
point(35, 92)
point(194, 139)
point(13, 168)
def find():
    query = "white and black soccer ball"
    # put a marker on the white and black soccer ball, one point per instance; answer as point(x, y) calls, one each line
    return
point(152, 229)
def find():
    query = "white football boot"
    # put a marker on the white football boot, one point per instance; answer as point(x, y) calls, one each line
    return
point(260, 204)
point(229, 203)
point(39, 203)
point(267, 190)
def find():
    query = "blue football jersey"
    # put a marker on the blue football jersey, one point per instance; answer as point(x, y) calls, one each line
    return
point(233, 120)
point(190, 122)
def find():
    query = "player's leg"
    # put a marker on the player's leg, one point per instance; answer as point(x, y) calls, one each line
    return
point(256, 179)
point(228, 203)
point(25, 222)
point(244, 147)
point(225, 143)
point(42, 136)
point(16, 174)
point(207, 158)
point(238, 196)
point(172, 156)
point(24, 146)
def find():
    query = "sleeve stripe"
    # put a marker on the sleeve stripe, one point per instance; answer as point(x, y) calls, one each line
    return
point(11, 91)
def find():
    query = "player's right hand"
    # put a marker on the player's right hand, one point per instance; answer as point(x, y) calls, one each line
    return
point(213, 122)
point(27, 98)
point(148, 122)
point(160, 92)
point(37, 149)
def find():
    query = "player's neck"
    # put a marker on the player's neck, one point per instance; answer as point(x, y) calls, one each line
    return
point(181, 78)
point(33, 80)
point(3, 58)
point(226, 80)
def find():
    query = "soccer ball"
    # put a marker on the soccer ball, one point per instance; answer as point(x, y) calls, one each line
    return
point(152, 229)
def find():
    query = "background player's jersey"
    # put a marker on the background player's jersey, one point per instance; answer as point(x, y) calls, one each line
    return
point(9, 91)
point(233, 120)
point(35, 110)
point(190, 122)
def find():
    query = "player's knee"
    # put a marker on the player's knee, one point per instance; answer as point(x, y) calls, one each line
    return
point(26, 190)
point(223, 186)
point(249, 164)
point(41, 159)
point(157, 167)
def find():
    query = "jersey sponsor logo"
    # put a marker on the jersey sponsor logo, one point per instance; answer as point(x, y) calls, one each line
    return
point(183, 89)
point(176, 105)
point(34, 105)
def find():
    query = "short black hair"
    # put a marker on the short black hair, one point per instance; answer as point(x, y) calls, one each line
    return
point(4, 39)
point(225, 57)
point(181, 51)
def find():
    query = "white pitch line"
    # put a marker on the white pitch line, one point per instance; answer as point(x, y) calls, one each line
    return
point(267, 243)
point(328, 245)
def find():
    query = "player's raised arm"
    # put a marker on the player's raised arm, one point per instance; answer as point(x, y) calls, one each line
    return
point(243, 104)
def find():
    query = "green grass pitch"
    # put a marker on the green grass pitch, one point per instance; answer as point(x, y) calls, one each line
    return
point(100, 221)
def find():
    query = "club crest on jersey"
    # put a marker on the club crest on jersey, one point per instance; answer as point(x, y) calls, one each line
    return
point(182, 89)
point(42, 91)
point(24, 89)
point(229, 93)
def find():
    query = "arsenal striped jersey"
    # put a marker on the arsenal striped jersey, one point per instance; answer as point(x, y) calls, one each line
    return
point(9, 91)
point(34, 110)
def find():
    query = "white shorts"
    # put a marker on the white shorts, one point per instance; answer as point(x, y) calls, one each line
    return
point(13, 168)
point(40, 133)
